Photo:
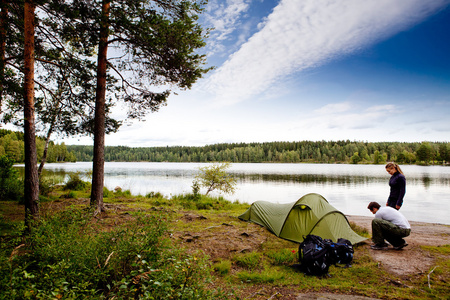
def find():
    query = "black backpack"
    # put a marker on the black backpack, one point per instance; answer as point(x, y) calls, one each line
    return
point(341, 252)
point(316, 255)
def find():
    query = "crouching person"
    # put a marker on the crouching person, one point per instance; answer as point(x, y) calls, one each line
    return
point(389, 224)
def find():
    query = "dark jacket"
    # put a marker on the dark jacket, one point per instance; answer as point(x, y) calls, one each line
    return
point(398, 189)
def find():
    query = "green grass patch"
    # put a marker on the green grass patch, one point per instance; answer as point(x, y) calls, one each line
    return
point(222, 267)
point(444, 249)
point(251, 260)
point(265, 276)
point(360, 230)
point(283, 256)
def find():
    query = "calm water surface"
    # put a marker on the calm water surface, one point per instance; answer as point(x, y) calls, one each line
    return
point(349, 188)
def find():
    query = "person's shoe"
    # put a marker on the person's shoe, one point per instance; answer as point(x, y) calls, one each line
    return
point(378, 247)
point(401, 246)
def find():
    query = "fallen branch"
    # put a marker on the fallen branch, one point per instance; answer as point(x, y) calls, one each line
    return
point(213, 226)
point(271, 297)
point(255, 293)
point(429, 285)
point(107, 260)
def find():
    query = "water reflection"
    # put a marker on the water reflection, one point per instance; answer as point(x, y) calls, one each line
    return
point(426, 181)
point(306, 178)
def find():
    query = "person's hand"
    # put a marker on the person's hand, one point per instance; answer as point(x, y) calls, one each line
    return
point(387, 204)
point(397, 207)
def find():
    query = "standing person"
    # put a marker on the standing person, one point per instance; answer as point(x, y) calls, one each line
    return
point(389, 224)
point(397, 184)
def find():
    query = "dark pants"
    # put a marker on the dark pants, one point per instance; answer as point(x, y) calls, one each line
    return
point(385, 230)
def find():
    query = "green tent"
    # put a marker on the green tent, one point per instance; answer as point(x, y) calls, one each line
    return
point(311, 214)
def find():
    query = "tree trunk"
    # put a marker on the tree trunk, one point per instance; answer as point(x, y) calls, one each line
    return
point(31, 174)
point(99, 123)
point(44, 155)
point(56, 109)
point(3, 25)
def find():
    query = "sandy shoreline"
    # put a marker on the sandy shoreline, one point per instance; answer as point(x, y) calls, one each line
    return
point(411, 259)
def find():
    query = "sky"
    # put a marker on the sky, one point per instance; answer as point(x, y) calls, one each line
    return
point(294, 70)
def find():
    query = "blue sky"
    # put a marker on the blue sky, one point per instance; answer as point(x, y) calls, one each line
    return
point(292, 70)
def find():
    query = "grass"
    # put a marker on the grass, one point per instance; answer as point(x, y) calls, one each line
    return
point(222, 267)
point(139, 247)
point(282, 256)
point(251, 261)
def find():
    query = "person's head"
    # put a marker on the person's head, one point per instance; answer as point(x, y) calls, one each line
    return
point(392, 168)
point(373, 207)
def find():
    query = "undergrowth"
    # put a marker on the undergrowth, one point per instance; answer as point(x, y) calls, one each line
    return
point(68, 256)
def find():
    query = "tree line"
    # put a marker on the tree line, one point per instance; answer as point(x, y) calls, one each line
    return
point(12, 146)
point(280, 152)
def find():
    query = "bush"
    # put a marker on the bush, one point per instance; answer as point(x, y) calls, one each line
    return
point(120, 193)
point(154, 195)
point(11, 187)
point(192, 201)
point(46, 186)
point(75, 183)
point(67, 257)
point(214, 177)
point(106, 193)
point(70, 194)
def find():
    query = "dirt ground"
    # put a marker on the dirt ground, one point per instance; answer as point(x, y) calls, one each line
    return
point(232, 239)
point(411, 259)
point(227, 239)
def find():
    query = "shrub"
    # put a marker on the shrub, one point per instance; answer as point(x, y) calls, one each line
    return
point(67, 257)
point(120, 193)
point(196, 189)
point(46, 186)
point(11, 187)
point(154, 195)
point(215, 177)
point(75, 183)
point(70, 194)
point(106, 193)
point(191, 201)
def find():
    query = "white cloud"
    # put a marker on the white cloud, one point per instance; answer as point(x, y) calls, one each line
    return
point(303, 34)
point(224, 17)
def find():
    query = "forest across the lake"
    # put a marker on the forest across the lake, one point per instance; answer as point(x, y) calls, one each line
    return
point(354, 152)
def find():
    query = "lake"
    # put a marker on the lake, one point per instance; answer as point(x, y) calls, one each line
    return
point(349, 188)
